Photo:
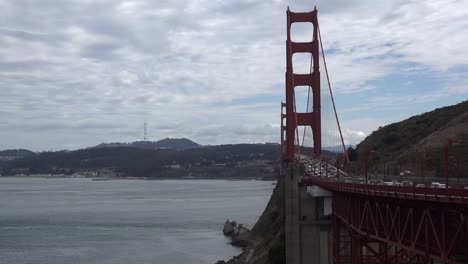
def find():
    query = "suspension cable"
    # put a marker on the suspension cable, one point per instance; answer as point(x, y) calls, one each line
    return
point(331, 94)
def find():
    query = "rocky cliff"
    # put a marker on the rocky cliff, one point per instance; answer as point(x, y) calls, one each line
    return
point(266, 241)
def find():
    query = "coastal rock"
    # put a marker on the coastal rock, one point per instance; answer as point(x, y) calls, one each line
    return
point(233, 230)
point(232, 261)
point(239, 238)
point(266, 241)
point(228, 228)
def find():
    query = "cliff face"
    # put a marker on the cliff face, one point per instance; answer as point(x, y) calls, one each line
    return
point(267, 238)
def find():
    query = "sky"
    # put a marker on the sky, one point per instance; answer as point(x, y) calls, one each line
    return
point(76, 73)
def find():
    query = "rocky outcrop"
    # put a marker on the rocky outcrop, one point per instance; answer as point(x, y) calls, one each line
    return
point(224, 262)
point(233, 229)
point(237, 232)
point(265, 243)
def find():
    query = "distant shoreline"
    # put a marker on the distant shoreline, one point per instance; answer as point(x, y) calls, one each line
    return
point(130, 178)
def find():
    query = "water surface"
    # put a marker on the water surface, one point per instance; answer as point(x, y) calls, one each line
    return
point(123, 221)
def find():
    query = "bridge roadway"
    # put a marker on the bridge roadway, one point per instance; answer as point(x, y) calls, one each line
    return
point(325, 175)
point(376, 223)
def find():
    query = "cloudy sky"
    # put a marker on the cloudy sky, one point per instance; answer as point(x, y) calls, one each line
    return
point(75, 73)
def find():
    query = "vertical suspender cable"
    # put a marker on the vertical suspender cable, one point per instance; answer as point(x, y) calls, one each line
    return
point(308, 96)
point(331, 94)
point(297, 128)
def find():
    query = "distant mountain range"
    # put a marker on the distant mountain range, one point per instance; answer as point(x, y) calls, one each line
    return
point(11, 154)
point(167, 143)
point(400, 144)
point(223, 161)
point(336, 149)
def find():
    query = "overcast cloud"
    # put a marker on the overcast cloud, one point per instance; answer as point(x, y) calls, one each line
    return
point(77, 73)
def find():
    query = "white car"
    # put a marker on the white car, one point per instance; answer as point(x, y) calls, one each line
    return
point(437, 185)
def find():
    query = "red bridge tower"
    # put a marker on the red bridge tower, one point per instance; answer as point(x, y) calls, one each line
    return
point(312, 79)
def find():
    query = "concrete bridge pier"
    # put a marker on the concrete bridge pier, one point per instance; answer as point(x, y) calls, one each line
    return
point(308, 224)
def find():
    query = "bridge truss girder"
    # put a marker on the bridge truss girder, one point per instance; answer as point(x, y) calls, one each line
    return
point(368, 229)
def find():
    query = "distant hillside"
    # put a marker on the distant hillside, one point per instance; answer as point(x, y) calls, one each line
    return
point(423, 136)
point(224, 161)
point(335, 149)
point(11, 154)
point(167, 143)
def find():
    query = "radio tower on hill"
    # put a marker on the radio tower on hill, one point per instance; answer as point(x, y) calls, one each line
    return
point(145, 131)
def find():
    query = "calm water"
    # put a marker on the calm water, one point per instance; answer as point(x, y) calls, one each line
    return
point(123, 221)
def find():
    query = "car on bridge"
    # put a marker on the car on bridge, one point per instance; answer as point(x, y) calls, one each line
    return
point(438, 185)
point(392, 183)
point(407, 183)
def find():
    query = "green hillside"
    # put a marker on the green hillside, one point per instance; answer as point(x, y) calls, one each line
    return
point(224, 161)
point(421, 137)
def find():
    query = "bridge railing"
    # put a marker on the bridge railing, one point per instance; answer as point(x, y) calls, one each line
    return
point(452, 195)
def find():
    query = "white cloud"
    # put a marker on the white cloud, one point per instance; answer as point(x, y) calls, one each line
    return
point(173, 62)
point(353, 137)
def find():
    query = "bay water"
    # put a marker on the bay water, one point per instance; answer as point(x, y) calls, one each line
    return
point(78, 220)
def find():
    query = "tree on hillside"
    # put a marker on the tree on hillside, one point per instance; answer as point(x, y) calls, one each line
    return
point(352, 154)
